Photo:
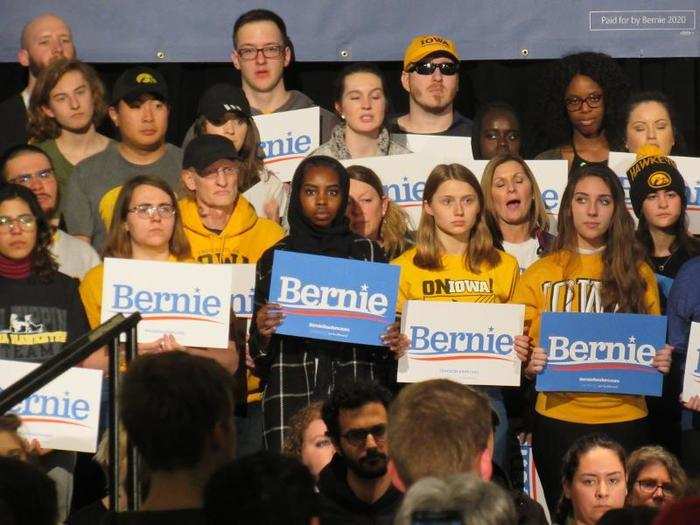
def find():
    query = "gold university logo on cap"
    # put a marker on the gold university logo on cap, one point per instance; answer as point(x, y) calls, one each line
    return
point(659, 179)
point(424, 45)
point(145, 78)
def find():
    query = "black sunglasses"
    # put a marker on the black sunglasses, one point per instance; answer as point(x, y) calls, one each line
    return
point(358, 436)
point(428, 68)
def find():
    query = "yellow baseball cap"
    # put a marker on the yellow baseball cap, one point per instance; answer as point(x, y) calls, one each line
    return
point(424, 45)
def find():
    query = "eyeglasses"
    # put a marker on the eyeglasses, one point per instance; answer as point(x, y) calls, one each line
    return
point(592, 101)
point(224, 170)
point(26, 178)
point(24, 222)
point(650, 485)
point(428, 68)
point(358, 436)
point(251, 53)
point(148, 211)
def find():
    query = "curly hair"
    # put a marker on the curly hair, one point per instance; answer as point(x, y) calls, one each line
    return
point(42, 127)
point(299, 422)
point(44, 266)
point(552, 118)
point(350, 396)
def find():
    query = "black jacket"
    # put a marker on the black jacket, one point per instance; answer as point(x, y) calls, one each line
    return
point(339, 505)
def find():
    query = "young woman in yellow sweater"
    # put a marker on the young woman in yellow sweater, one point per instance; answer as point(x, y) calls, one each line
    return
point(453, 243)
point(596, 266)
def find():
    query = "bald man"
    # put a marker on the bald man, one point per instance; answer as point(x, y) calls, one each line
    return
point(44, 39)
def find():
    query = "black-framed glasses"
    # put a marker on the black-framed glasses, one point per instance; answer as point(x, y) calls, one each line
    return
point(25, 222)
point(428, 68)
point(358, 436)
point(592, 101)
point(25, 178)
point(148, 211)
point(649, 486)
point(251, 53)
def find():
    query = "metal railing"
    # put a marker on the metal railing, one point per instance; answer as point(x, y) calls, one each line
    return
point(109, 334)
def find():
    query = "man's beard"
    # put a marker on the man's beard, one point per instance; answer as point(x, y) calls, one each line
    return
point(371, 466)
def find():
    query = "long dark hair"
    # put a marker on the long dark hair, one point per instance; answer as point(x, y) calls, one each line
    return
point(554, 125)
point(44, 266)
point(623, 286)
point(572, 460)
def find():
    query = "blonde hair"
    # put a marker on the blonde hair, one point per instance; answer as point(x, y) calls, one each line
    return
point(299, 422)
point(42, 127)
point(428, 247)
point(395, 229)
point(537, 215)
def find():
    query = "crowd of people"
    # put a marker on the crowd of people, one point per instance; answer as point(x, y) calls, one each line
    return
point(282, 429)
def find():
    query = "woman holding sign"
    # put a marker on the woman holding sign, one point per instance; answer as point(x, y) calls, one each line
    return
point(299, 371)
point(454, 244)
point(146, 225)
point(360, 99)
point(41, 307)
point(596, 267)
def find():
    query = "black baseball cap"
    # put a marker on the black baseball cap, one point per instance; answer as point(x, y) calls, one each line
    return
point(220, 99)
point(137, 81)
point(205, 150)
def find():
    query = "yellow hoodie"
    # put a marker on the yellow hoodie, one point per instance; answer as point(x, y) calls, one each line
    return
point(244, 239)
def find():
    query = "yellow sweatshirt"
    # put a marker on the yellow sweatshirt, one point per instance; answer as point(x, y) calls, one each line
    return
point(568, 282)
point(456, 282)
point(244, 239)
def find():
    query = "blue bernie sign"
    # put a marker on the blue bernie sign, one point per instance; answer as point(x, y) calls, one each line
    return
point(602, 353)
point(334, 299)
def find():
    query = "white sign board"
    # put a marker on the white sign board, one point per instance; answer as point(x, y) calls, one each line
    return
point(65, 413)
point(190, 301)
point(470, 343)
point(242, 290)
point(691, 379)
point(436, 145)
point(287, 137)
point(404, 176)
point(689, 168)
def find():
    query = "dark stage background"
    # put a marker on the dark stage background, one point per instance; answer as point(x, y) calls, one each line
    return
point(516, 82)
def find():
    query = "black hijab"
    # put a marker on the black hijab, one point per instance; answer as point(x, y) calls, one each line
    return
point(336, 240)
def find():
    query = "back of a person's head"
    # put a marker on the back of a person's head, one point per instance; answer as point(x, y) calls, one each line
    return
point(437, 428)
point(264, 488)
point(27, 495)
point(170, 405)
point(683, 512)
point(469, 498)
point(629, 516)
